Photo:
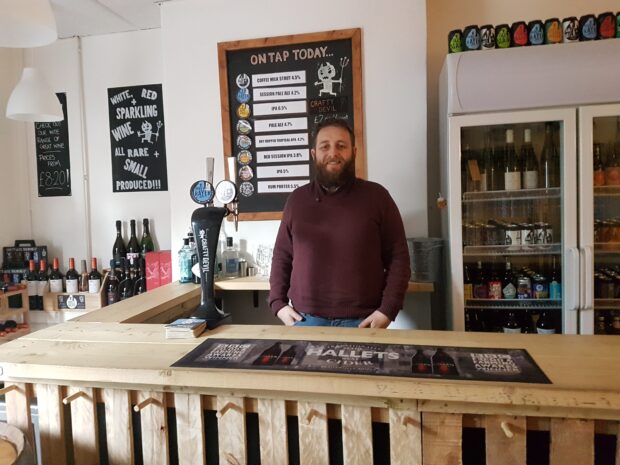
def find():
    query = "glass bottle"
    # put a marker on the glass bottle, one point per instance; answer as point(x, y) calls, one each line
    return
point(488, 177)
point(549, 167)
point(509, 290)
point(545, 325)
point(146, 243)
point(42, 284)
point(494, 284)
point(530, 162)
point(481, 290)
point(230, 259)
point(598, 168)
point(612, 170)
point(512, 170)
point(601, 325)
point(125, 287)
point(112, 288)
point(133, 246)
point(55, 277)
point(94, 277)
point(83, 277)
point(512, 326)
point(468, 286)
point(139, 286)
point(555, 283)
point(32, 283)
point(72, 278)
point(185, 262)
point(118, 249)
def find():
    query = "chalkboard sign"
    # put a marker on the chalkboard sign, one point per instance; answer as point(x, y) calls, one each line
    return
point(274, 91)
point(52, 147)
point(137, 138)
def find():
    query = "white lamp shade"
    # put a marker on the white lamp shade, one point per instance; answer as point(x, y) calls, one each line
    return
point(33, 100)
point(26, 23)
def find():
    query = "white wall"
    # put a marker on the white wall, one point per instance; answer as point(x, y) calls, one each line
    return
point(394, 75)
point(13, 160)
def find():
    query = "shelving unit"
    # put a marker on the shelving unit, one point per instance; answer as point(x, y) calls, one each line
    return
point(513, 304)
point(607, 191)
point(497, 250)
point(21, 315)
point(502, 196)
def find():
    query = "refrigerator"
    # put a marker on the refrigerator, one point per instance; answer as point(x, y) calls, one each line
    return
point(531, 177)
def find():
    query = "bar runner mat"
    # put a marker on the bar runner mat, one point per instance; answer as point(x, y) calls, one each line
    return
point(409, 361)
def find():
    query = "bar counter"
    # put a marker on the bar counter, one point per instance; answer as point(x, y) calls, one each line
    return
point(126, 363)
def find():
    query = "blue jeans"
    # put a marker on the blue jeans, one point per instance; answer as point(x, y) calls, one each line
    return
point(313, 320)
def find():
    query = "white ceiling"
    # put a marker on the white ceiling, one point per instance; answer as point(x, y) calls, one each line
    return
point(94, 17)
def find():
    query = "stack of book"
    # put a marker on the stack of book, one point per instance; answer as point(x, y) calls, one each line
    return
point(185, 328)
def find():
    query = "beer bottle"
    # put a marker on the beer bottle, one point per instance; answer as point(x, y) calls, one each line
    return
point(555, 283)
point(512, 326)
point(544, 325)
point(269, 355)
point(443, 364)
point(512, 170)
point(481, 290)
point(599, 168)
point(489, 179)
point(495, 285)
point(287, 356)
point(500, 160)
point(615, 326)
point(468, 286)
point(530, 168)
point(421, 363)
point(601, 325)
point(549, 167)
point(509, 290)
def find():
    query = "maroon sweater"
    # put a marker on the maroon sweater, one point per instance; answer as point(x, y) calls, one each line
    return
point(340, 255)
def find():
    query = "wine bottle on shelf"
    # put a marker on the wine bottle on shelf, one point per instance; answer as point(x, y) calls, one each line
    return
point(481, 290)
point(118, 249)
point(509, 290)
point(512, 326)
point(549, 167)
point(83, 277)
point(32, 283)
point(545, 325)
point(42, 285)
point(72, 278)
point(598, 168)
point(146, 243)
point(125, 287)
point(500, 160)
point(494, 284)
point(468, 286)
point(112, 287)
point(530, 162)
point(139, 286)
point(512, 169)
point(94, 277)
point(55, 277)
point(133, 246)
point(488, 173)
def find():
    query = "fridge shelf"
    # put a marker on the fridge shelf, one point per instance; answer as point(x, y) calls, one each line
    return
point(495, 250)
point(607, 191)
point(513, 304)
point(502, 196)
point(607, 304)
point(606, 248)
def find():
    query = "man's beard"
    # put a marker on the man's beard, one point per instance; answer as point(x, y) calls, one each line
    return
point(329, 179)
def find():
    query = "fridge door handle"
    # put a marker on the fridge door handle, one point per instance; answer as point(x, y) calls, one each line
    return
point(573, 279)
point(582, 276)
point(588, 266)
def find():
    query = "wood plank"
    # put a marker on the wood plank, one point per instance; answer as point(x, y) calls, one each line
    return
point(313, 438)
point(356, 435)
point(442, 436)
point(18, 408)
point(190, 429)
point(501, 449)
point(84, 426)
point(231, 430)
point(405, 437)
point(119, 429)
point(51, 424)
point(272, 431)
point(572, 441)
point(154, 428)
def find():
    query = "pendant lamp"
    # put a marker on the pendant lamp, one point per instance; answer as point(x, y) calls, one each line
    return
point(33, 100)
point(26, 23)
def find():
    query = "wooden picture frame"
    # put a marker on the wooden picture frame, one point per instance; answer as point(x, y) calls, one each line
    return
point(290, 66)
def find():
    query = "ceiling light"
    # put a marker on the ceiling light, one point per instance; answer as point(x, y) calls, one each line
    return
point(26, 23)
point(33, 100)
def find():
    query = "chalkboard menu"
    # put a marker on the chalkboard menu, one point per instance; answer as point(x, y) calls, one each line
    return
point(137, 138)
point(274, 92)
point(52, 147)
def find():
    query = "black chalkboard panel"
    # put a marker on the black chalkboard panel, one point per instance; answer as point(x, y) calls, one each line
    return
point(274, 92)
point(137, 138)
point(53, 163)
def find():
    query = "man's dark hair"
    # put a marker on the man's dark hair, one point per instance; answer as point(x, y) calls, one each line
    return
point(335, 122)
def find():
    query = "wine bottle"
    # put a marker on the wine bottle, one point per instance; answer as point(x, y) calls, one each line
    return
point(42, 285)
point(118, 249)
point(32, 283)
point(598, 168)
point(139, 286)
point(72, 278)
point(112, 288)
point(94, 277)
point(530, 162)
point(544, 325)
point(549, 167)
point(488, 179)
point(133, 246)
point(125, 287)
point(468, 286)
point(146, 243)
point(500, 162)
point(481, 290)
point(512, 326)
point(512, 170)
point(55, 277)
point(83, 277)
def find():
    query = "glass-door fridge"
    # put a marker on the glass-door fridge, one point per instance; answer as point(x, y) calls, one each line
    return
point(512, 219)
point(599, 218)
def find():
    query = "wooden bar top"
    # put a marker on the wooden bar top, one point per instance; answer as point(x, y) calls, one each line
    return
point(584, 370)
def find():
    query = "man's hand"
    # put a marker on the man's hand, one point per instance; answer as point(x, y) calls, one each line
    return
point(289, 316)
point(375, 320)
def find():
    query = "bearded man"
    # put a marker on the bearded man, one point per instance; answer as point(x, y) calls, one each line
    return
point(340, 257)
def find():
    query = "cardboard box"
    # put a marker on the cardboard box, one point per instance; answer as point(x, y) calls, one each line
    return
point(158, 269)
point(165, 267)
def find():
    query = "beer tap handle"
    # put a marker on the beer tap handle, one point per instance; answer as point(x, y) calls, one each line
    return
point(235, 211)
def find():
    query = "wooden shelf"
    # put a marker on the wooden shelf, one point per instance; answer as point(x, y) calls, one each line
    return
point(7, 313)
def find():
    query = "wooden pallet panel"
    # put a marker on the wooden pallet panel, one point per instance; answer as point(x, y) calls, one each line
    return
point(18, 408)
point(231, 430)
point(84, 425)
point(442, 438)
point(313, 438)
point(119, 429)
point(154, 427)
point(190, 429)
point(405, 437)
point(272, 431)
point(506, 440)
point(356, 435)
point(572, 441)
point(51, 424)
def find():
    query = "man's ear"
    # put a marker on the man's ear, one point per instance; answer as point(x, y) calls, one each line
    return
point(313, 154)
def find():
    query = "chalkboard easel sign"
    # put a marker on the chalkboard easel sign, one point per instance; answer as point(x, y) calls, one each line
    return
point(53, 161)
point(274, 91)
